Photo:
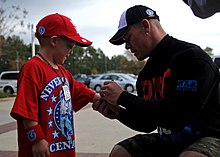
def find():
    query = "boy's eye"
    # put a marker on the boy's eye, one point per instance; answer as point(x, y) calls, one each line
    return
point(70, 45)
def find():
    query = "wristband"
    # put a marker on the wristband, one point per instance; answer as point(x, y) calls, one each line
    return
point(34, 134)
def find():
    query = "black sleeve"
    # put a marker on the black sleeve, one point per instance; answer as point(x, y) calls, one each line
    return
point(136, 122)
point(196, 79)
point(147, 110)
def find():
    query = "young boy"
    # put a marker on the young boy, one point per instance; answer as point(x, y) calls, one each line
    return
point(48, 94)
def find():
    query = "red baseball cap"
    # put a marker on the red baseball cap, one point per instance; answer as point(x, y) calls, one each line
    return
point(56, 24)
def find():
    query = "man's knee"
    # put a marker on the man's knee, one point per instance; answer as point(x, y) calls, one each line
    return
point(119, 151)
point(192, 154)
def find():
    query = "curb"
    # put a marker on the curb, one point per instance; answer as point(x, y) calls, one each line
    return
point(7, 98)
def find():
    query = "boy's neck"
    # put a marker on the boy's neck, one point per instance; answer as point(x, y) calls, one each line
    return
point(47, 59)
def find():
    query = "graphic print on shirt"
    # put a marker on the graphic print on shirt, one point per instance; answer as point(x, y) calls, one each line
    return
point(63, 117)
point(60, 116)
point(156, 87)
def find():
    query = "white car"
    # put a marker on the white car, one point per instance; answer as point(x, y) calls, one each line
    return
point(8, 81)
point(124, 80)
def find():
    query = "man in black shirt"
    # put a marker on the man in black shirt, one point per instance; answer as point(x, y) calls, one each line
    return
point(178, 93)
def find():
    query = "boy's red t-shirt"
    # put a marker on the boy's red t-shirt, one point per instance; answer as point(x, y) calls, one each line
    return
point(40, 98)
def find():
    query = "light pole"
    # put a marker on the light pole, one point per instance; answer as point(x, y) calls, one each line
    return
point(105, 63)
point(32, 40)
point(17, 60)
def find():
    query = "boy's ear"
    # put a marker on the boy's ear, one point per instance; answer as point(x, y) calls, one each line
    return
point(53, 40)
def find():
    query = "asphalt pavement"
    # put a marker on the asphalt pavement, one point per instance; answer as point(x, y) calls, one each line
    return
point(95, 134)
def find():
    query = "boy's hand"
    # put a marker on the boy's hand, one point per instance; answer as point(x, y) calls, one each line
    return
point(106, 109)
point(41, 148)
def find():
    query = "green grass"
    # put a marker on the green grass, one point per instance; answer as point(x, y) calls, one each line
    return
point(5, 95)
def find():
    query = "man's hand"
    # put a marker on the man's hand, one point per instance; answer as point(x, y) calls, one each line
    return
point(106, 109)
point(41, 148)
point(110, 92)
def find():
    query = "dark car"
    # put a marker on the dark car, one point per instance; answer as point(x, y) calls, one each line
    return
point(89, 77)
point(85, 79)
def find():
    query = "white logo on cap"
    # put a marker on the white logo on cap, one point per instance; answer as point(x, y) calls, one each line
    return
point(84, 40)
point(150, 12)
point(41, 30)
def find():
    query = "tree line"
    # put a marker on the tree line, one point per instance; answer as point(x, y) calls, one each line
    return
point(14, 53)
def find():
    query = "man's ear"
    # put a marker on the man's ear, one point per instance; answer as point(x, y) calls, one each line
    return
point(146, 25)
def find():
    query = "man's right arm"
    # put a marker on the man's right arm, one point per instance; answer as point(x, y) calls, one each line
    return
point(136, 121)
point(133, 120)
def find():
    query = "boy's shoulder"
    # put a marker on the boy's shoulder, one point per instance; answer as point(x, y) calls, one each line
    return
point(33, 62)
point(32, 66)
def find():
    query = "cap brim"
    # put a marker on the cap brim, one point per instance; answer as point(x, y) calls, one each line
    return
point(80, 41)
point(117, 39)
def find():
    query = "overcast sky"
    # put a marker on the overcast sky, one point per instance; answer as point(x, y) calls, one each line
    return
point(98, 20)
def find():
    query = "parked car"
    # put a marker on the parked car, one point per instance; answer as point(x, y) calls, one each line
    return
point(134, 76)
point(216, 59)
point(81, 78)
point(125, 81)
point(85, 79)
point(8, 81)
point(89, 78)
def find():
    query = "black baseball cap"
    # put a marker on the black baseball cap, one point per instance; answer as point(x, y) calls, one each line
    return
point(129, 17)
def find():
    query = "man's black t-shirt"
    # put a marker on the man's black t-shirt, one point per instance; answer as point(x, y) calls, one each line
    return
point(177, 88)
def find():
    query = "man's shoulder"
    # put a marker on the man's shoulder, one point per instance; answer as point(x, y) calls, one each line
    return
point(184, 48)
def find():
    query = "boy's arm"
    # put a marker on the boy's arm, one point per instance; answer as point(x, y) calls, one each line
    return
point(33, 130)
point(29, 123)
point(96, 98)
